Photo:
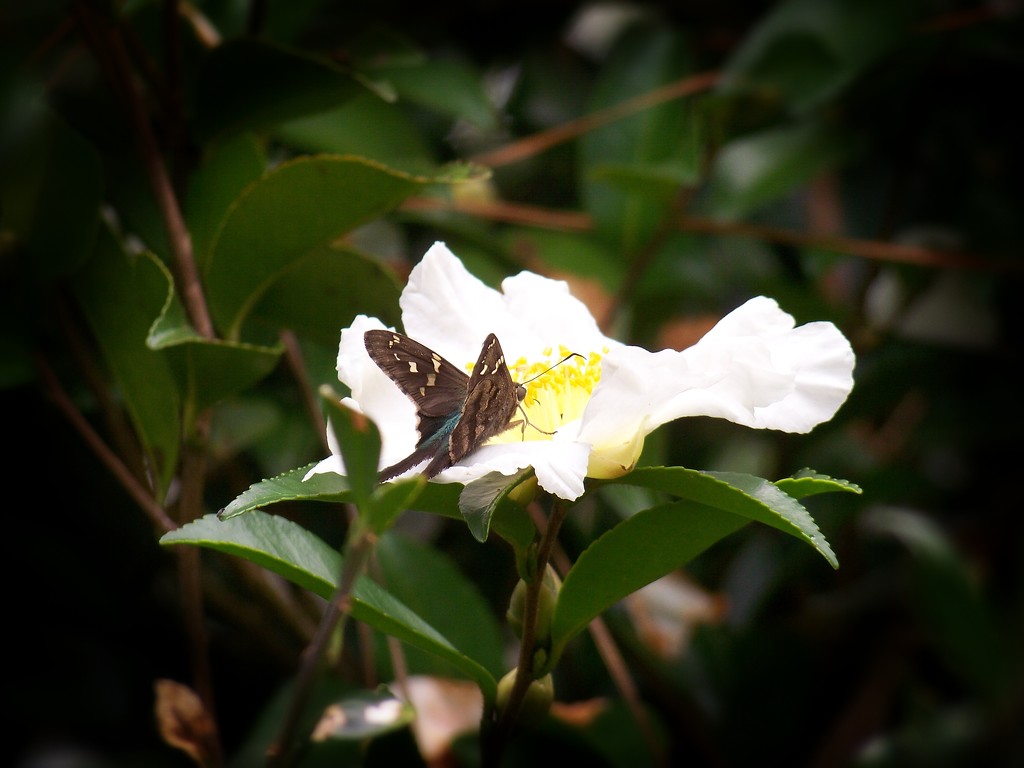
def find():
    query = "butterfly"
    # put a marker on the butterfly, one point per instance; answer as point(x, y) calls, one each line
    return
point(456, 413)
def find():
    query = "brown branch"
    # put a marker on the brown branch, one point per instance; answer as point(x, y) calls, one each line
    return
point(616, 665)
point(110, 52)
point(872, 250)
point(296, 363)
point(545, 140)
point(495, 739)
point(121, 473)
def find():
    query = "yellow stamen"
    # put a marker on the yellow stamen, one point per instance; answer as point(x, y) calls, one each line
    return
point(557, 396)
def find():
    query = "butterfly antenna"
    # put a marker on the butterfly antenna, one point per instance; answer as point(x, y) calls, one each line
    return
point(526, 419)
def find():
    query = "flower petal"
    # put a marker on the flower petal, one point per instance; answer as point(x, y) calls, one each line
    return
point(548, 315)
point(753, 368)
point(560, 465)
point(374, 394)
point(450, 310)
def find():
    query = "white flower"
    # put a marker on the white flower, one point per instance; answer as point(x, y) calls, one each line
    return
point(753, 368)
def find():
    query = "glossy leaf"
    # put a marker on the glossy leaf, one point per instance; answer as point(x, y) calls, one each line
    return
point(120, 297)
point(746, 495)
point(207, 370)
point(634, 553)
point(453, 604)
point(511, 522)
point(359, 441)
point(480, 499)
point(227, 169)
point(807, 482)
point(298, 555)
point(448, 86)
point(299, 206)
point(323, 291)
point(364, 126)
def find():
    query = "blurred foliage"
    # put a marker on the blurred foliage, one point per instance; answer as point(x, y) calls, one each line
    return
point(859, 162)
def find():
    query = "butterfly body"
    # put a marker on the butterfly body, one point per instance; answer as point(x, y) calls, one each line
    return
point(456, 412)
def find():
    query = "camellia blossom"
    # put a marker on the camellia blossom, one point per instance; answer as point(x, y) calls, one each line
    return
point(588, 416)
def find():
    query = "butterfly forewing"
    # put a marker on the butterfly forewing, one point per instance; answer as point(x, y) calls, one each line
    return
point(455, 412)
point(435, 386)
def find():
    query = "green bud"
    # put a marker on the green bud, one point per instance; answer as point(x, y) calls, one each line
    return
point(536, 703)
point(547, 599)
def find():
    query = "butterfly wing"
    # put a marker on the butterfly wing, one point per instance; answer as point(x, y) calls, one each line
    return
point(436, 387)
point(491, 400)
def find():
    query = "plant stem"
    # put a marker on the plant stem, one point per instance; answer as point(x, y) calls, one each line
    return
point(495, 739)
point(357, 557)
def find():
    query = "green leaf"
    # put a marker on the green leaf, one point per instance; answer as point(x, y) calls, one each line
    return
point(323, 291)
point(634, 553)
point(805, 52)
point(359, 441)
point(511, 521)
point(448, 86)
point(119, 297)
point(291, 551)
point(480, 499)
point(227, 169)
point(582, 257)
point(299, 206)
point(246, 84)
point(207, 370)
point(429, 583)
point(958, 620)
point(289, 486)
point(644, 59)
point(807, 482)
point(389, 500)
point(755, 170)
point(366, 127)
point(745, 495)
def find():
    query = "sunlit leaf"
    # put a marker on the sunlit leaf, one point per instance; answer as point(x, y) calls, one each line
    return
point(295, 553)
point(299, 206)
point(740, 494)
point(634, 553)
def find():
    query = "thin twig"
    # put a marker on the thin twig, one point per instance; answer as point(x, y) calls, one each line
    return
point(545, 140)
point(296, 363)
point(357, 556)
point(109, 49)
point(495, 737)
point(121, 473)
point(617, 668)
point(873, 250)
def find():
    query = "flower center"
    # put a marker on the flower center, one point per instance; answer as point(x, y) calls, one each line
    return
point(557, 395)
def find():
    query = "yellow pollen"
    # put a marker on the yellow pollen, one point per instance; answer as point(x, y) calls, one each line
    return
point(557, 395)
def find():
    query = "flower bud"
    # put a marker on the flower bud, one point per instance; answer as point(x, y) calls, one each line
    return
point(546, 601)
point(536, 703)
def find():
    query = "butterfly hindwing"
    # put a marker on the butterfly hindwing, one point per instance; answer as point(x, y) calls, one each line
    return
point(455, 412)
point(491, 400)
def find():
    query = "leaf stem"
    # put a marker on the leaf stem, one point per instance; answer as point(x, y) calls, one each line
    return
point(495, 740)
point(357, 558)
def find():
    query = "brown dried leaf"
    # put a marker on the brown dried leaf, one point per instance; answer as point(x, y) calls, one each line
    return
point(184, 722)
